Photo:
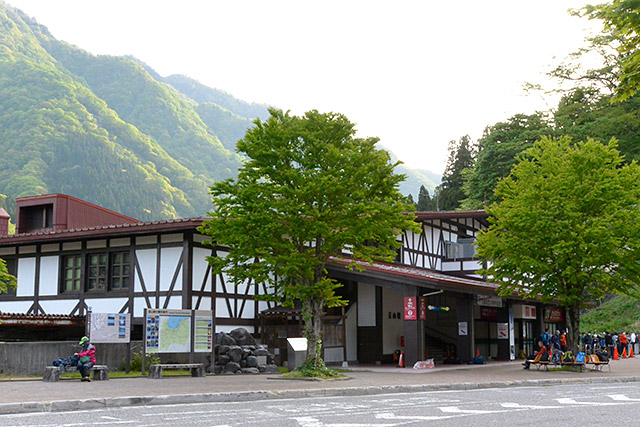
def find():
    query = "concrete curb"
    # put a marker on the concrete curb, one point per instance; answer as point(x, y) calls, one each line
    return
point(112, 402)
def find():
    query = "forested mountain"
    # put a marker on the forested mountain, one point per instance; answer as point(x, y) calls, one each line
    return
point(110, 130)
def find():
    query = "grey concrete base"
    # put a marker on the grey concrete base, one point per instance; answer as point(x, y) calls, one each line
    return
point(197, 369)
point(97, 403)
point(52, 373)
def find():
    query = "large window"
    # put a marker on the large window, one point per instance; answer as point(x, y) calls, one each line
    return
point(97, 272)
point(105, 271)
point(120, 268)
point(72, 273)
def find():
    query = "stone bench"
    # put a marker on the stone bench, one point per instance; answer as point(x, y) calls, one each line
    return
point(197, 369)
point(52, 373)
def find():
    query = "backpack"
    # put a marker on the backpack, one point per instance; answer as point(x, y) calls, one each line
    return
point(567, 357)
point(545, 338)
point(602, 356)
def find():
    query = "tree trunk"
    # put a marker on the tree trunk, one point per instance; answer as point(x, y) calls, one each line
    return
point(573, 323)
point(312, 315)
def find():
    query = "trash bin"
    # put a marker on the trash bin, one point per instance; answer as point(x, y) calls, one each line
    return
point(296, 352)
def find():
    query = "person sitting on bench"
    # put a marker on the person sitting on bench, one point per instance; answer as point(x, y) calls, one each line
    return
point(542, 351)
point(87, 358)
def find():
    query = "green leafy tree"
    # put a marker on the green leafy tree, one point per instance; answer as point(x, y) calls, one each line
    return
point(308, 191)
point(6, 280)
point(450, 191)
point(497, 151)
point(621, 20)
point(567, 226)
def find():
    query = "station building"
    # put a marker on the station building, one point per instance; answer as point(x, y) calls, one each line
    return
point(71, 256)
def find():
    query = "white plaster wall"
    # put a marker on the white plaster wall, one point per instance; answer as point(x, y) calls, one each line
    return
point(139, 304)
point(351, 332)
point(221, 308)
point(26, 277)
point(15, 306)
point(205, 303)
point(106, 305)
point(200, 266)
point(175, 302)
point(59, 306)
point(248, 312)
point(392, 329)
point(472, 265)
point(169, 259)
point(366, 305)
point(49, 275)
point(451, 266)
point(147, 263)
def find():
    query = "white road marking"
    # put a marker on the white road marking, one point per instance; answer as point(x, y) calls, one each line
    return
point(314, 422)
point(513, 405)
point(570, 401)
point(456, 410)
point(623, 398)
point(392, 416)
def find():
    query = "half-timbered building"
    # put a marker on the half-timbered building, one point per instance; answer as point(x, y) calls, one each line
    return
point(70, 256)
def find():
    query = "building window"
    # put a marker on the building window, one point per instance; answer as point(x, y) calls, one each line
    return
point(72, 274)
point(97, 272)
point(120, 270)
point(464, 248)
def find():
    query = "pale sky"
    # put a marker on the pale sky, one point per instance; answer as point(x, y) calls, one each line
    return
point(415, 73)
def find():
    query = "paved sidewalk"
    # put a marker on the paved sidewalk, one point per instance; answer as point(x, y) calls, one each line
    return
point(38, 396)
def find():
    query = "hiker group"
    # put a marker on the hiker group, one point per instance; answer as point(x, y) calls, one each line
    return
point(613, 344)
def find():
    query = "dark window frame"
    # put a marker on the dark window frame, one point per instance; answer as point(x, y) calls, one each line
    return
point(75, 268)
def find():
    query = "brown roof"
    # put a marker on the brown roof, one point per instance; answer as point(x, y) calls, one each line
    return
point(429, 277)
point(478, 214)
point(100, 231)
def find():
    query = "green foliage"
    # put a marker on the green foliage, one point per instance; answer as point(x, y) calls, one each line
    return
point(7, 281)
point(618, 314)
point(425, 202)
point(566, 226)
point(621, 19)
point(311, 370)
point(136, 362)
point(308, 191)
point(497, 152)
point(461, 156)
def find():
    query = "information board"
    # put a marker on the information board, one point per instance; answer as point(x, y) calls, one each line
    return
point(109, 327)
point(167, 331)
point(203, 331)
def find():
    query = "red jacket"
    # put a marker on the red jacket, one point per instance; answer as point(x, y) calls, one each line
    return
point(90, 351)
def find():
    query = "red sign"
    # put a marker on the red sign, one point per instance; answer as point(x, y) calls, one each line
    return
point(488, 313)
point(423, 308)
point(410, 308)
point(553, 315)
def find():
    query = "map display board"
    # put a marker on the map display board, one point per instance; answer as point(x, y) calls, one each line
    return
point(203, 331)
point(109, 327)
point(167, 331)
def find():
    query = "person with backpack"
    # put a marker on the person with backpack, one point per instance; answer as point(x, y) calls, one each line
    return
point(545, 337)
point(86, 358)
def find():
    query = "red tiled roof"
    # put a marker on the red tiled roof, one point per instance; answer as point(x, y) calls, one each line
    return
point(105, 230)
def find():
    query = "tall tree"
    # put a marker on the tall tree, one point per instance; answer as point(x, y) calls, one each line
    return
point(567, 226)
point(308, 191)
point(621, 20)
point(461, 156)
point(497, 151)
point(425, 202)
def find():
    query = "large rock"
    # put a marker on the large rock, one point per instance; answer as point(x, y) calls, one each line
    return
point(260, 352)
point(245, 353)
point(252, 362)
point(271, 369)
point(235, 353)
point(223, 360)
point(242, 337)
point(224, 339)
point(250, 371)
point(232, 367)
point(223, 349)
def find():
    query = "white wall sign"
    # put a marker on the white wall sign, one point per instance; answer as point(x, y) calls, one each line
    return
point(489, 301)
point(463, 328)
point(503, 331)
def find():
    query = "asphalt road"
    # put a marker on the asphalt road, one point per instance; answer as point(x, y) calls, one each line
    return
point(604, 404)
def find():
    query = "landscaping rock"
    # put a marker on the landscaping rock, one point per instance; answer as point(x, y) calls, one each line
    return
point(250, 371)
point(242, 337)
point(235, 353)
point(252, 362)
point(232, 367)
